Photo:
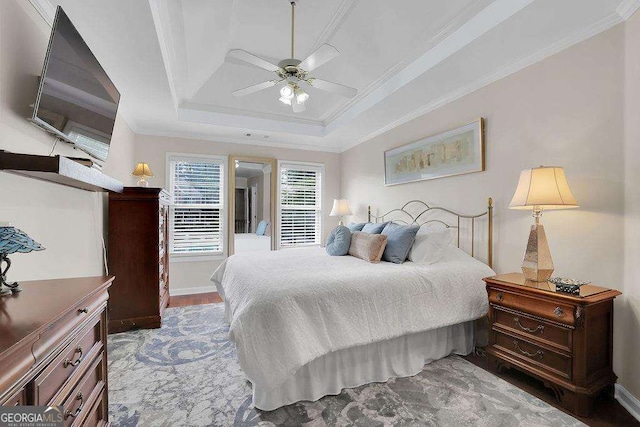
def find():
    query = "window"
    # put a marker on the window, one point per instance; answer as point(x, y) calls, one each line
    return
point(197, 220)
point(300, 204)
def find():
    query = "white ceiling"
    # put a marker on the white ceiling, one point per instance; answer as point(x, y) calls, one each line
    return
point(167, 58)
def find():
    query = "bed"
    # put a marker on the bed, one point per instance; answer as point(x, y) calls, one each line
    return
point(306, 324)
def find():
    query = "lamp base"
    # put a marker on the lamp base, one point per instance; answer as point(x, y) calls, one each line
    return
point(537, 264)
point(143, 182)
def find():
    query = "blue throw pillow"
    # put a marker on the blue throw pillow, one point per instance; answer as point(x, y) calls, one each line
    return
point(400, 238)
point(339, 241)
point(262, 228)
point(355, 226)
point(374, 228)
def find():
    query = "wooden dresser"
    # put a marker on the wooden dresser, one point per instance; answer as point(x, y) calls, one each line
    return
point(53, 348)
point(565, 341)
point(139, 256)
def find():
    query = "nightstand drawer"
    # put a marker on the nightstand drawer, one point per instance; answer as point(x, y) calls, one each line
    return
point(532, 328)
point(553, 310)
point(556, 363)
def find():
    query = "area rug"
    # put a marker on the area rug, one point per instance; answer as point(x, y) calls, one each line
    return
point(187, 374)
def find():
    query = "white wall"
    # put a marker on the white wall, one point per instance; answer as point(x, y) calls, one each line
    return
point(630, 372)
point(566, 110)
point(67, 221)
point(194, 276)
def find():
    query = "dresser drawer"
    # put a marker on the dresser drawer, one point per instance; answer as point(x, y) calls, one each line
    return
point(553, 310)
point(19, 398)
point(532, 328)
point(530, 353)
point(97, 414)
point(74, 358)
point(79, 402)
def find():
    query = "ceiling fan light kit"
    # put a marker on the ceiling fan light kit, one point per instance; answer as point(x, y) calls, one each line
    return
point(293, 71)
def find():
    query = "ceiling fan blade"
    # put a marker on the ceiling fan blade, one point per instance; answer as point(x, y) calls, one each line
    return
point(298, 107)
point(343, 90)
point(323, 54)
point(254, 60)
point(255, 88)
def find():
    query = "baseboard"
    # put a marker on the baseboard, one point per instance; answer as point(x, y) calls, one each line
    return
point(191, 291)
point(628, 401)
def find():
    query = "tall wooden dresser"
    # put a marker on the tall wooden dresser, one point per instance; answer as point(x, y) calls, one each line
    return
point(53, 340)
point(139, 256)
point(564, 340)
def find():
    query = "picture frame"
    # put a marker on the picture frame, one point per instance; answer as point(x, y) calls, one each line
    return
point(453, 152)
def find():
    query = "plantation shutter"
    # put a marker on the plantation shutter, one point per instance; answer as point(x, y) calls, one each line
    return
point(197, 208)
point(300, 204)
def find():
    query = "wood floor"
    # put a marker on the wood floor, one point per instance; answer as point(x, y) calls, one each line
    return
point(605, 413)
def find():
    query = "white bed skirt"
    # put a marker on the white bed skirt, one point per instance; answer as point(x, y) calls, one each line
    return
point(377, 362)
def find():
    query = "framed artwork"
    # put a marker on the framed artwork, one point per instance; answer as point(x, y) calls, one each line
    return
point(454, 152)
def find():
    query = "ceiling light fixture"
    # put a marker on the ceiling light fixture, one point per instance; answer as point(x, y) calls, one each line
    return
point(301, 96)
point(292, 71)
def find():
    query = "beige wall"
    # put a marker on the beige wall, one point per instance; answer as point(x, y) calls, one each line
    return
point(630, 372)
point(67, 221)
point(566, 110)
point(189, 276)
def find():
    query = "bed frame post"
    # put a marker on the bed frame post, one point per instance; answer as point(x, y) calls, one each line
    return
point(369, 213)
point(490, 215)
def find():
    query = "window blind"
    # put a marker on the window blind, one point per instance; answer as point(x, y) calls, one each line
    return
point(197, 206)
point(300, 204)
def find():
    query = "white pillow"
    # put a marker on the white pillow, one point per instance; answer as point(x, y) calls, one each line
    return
point(430, 244)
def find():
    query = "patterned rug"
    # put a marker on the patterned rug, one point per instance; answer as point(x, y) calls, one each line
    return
point(187, 374)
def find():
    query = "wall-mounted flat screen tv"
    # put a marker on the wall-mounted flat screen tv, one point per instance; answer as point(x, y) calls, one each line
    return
point(76, 99)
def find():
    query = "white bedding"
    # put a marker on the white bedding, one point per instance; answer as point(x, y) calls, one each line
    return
point(287, 308)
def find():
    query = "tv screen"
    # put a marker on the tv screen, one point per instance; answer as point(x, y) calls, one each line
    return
point(76, 100)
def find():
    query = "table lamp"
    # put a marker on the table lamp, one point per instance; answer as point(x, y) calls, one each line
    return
point(538, 189)
point(13, 240)
point(340, 208)
point(143, 171)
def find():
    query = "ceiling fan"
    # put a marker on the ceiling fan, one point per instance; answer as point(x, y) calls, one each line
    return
point(293, 72)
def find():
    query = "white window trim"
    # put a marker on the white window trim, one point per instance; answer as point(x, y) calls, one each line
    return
point(321, 166)
point(225, 185)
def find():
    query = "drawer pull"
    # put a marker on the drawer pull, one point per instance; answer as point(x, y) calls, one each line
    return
point(499, 296)
point(83, 310)
point(538, 353)
point(68, 362)
point(558, 311)
point(524, 328)
point(74, 414)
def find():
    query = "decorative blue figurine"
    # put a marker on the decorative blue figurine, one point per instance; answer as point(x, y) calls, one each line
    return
point(13, 240)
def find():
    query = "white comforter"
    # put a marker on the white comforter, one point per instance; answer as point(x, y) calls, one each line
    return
point(286, 308)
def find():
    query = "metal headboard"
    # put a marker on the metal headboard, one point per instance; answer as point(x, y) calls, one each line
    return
point(420, 213)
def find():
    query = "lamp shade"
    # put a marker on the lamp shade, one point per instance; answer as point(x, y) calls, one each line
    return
point(340, 207)
point(544, 187)
point(14, 240)
point(142, 169)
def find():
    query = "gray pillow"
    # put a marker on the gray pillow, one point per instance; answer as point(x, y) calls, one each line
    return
point(339, 241)
point(355, 226)
point(374, 228)
point(400, 238)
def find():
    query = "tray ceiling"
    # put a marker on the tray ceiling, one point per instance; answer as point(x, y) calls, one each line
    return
point(168, 59)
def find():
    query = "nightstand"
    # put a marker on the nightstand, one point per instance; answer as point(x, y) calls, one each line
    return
point(564, 340)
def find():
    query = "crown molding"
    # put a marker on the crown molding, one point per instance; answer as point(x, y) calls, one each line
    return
point(334, 24)
point(628, 401)
point(45, 9)
point(428, 41)
point(151, 131)
point(627, 8)
point(598, 27)
point(489, 18)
